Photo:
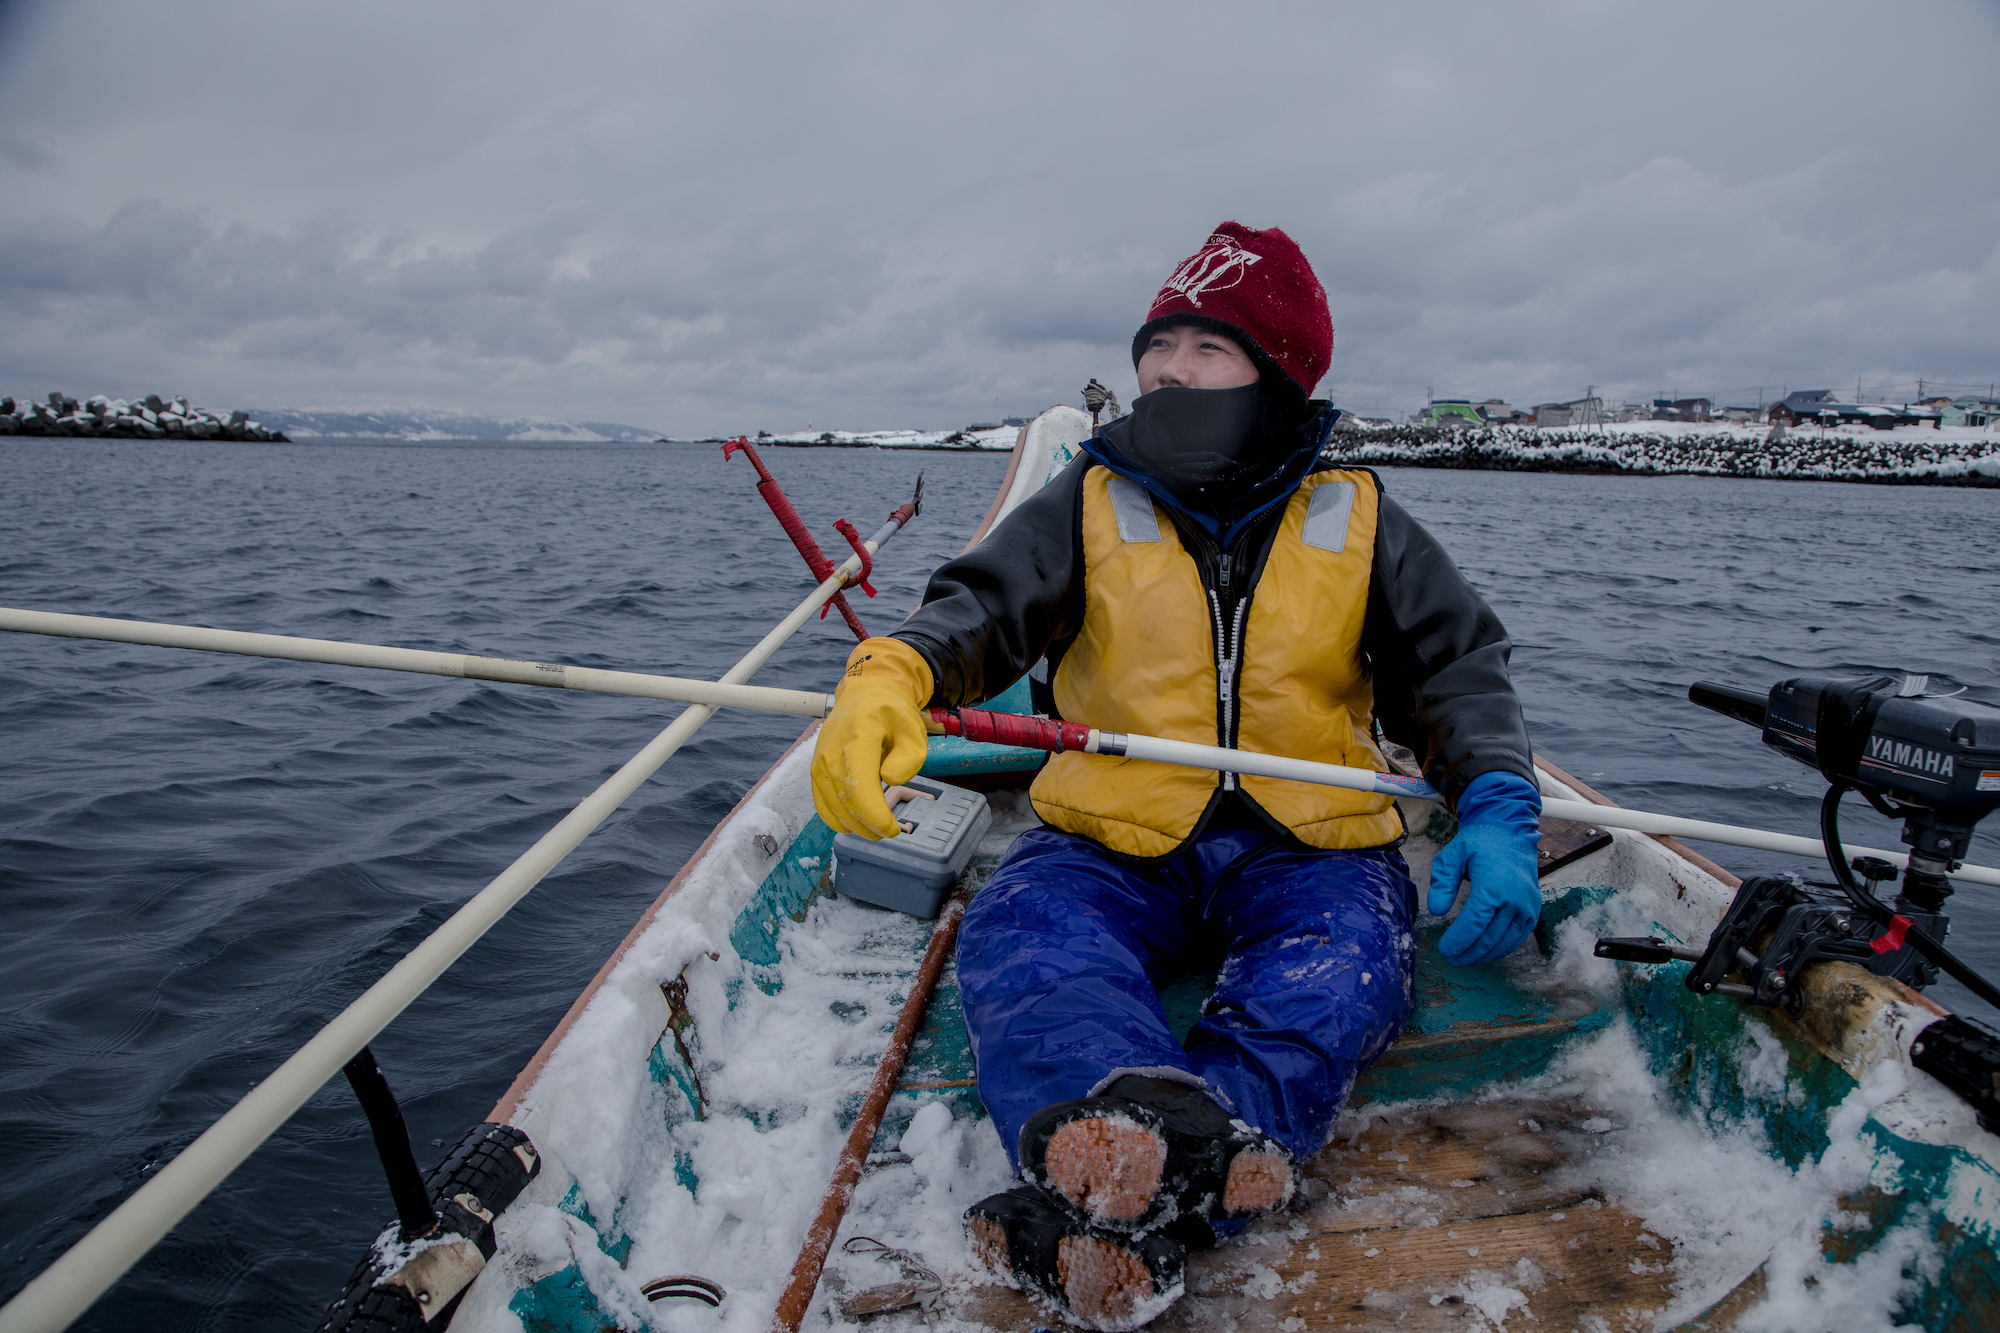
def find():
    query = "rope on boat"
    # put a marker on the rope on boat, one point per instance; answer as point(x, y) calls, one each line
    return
point(921, 1286)
point(73, 1283)
point(798, 1294)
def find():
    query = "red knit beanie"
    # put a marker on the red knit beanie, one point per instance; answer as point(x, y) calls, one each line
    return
point(1258, 287)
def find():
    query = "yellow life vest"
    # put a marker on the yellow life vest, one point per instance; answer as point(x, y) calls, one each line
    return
point(1158, 655)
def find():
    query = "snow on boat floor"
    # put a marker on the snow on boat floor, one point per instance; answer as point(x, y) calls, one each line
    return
point(1550, 1144)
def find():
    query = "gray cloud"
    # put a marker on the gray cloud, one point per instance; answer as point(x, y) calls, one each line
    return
point(710, 218)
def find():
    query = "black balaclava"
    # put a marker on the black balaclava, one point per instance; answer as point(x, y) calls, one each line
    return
point(1207, 446)
point(1221, 456)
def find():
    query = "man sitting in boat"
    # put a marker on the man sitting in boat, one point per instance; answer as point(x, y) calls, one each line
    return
point(1201, 575)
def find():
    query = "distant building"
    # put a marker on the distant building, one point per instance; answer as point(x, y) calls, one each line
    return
point(1970, 410)
point(1582, 412)
point(1498, 413)
point(1682, 409)
point(1452, 412)
point(1801, 408)
point(1470, 412)
point(1818, 407)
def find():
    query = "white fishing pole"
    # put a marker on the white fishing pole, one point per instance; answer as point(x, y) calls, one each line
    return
point(86, 1271)
point(423, 661)
point(1051, 734)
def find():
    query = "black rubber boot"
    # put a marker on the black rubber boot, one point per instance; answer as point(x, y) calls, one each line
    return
point(1100, 1279)
point(1149, 1151)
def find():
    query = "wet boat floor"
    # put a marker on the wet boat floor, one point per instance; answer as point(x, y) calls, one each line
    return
point(1430, 1218)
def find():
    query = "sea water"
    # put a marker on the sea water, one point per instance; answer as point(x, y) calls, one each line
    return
point(203, 858)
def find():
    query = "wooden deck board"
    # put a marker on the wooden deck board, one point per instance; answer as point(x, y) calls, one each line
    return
point(1408, 1224)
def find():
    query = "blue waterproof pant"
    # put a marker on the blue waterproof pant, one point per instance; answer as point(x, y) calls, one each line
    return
point(1062, 954)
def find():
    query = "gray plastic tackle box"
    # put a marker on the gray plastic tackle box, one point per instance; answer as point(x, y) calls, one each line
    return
point(914, 872)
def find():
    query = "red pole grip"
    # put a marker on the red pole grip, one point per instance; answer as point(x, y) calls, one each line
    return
point(1033, 733)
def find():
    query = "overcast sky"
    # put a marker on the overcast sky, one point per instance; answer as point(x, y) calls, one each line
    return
point(743, 216)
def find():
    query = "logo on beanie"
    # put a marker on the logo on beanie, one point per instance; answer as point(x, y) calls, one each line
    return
point(1216, 267)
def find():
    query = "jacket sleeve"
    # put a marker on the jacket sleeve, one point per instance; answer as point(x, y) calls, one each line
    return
point(990, 614)
point(1439, 659)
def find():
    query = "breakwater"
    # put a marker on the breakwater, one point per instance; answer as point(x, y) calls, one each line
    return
point(148, 418)
point(1917, 456)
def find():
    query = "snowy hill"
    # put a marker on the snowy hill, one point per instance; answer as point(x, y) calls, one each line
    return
point(304, 424)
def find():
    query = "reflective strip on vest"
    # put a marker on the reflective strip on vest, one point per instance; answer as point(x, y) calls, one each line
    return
point(1144, 661)
point(1133, 507)
point(1326, 518)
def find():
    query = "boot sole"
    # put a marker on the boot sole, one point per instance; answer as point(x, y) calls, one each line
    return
point(989, 1246)
point(1107, 1167)
point(1258, 1182)
point(1103, 1283)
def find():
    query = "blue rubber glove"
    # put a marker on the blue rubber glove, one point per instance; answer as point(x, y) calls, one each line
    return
point(1495, 849)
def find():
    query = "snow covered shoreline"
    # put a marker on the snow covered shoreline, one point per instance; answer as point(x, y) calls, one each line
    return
point(971, 438)
point(1909, 456)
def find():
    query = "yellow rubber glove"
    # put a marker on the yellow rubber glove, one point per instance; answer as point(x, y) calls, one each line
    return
point(874, 734)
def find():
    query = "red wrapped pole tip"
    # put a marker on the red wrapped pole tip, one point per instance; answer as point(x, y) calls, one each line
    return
point(1032, 733)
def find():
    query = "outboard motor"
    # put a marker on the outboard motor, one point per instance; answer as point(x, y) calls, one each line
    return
point(1932, 762)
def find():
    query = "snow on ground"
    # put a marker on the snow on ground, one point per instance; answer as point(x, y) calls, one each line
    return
point(994, 437)
point(1748, 432)
point(1908, 453)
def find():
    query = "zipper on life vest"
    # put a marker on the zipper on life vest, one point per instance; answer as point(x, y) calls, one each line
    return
point(1228, 642)
point(1213, 560)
